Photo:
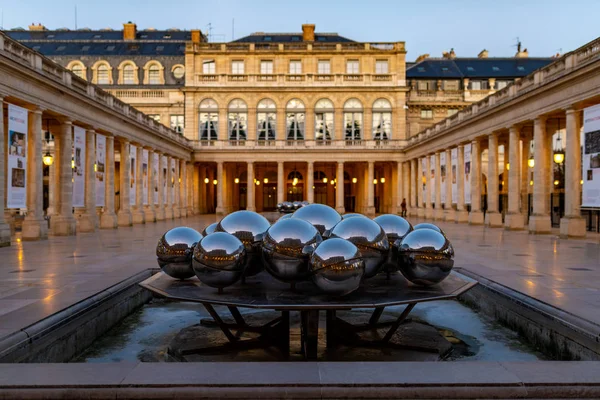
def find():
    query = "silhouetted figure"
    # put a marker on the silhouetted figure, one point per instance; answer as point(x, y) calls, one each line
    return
point(403, 206)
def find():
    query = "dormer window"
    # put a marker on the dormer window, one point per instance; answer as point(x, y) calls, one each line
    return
point(110, 48)
point(85, 48)
point(445, 69)
point(495, 69)
point(167, 36)
point(421, 69)
point(470, 69)
point(160, 48)
point(36, 48)
point(60, 48)
point(267, 38)
point(321, 38)
point(97, 36)
point(295, 39)
point(143, 36)
point(521, 68)
point(50, 37)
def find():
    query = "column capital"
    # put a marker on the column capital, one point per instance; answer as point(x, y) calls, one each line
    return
point(540, 119)
point(65, 120)
point(90, 130)
point(37, 109)
point(572, 110)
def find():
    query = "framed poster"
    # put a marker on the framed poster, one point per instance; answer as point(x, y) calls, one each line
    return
point(155, 169)
point(432, 179)
point(423, 179)
point(467, 177)
point(132, 174)
point(443, 178)
point(591, 157)
point(16, 192)
point(145, 176)
point(454, 174)
point(100, 169)
point(78, 166)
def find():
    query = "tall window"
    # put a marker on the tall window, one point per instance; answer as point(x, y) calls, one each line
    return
point(237, 67)
point(425, 85)
point(177, 123)
point(426, 114)
point(501, 84)
point(267, 120)
point(381, 67)
point(382, 120)
point(324, 67)
point(352, 67)
point(155, 117)
point(452, 85)
point(209, 120)
point(324, 116)
point(479, 85)
point(77, 69)
point(266, 67)
point(295, 67)
point(353, 117)
point(154, 75)
point(295, 120)
point(208, 67)
point(103, 75)
point(129, 74)
point(237, 117)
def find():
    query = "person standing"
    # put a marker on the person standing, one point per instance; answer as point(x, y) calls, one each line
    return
point(403, 206)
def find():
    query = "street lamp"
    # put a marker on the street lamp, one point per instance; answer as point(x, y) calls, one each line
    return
point(266, 180)
point(215, 182)
point(206, 180)
point(354, 180)
point(48, 159)
point(382, 180)
point(531, 161)
point(559, 152)
point(508, 166)
point(375, 181)
point(236, 180)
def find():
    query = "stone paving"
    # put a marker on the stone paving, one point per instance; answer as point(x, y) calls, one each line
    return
point(38, 279)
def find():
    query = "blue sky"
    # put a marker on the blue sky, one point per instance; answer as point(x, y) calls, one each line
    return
point(427, 26)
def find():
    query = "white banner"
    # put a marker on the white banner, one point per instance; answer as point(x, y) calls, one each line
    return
point(432, 180)
point(173, 178)
point(79, 166)
point(16, 192)
point(163, 166)
point(155, 169)
point(591, 157)
point(145, 176)
point(100, 160)
point(443, 173)
point(454, 161)
point(467, 176)
point(132, 174)
point(423, 179)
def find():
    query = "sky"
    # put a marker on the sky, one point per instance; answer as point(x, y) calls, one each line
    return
point(545, 27)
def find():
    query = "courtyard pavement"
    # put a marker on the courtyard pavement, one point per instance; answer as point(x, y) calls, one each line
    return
point(38, 279)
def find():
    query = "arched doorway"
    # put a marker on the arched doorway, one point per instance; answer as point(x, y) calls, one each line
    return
point(349, 200)
point(320, 189)
point(269, 191)
point(295, 186)
point(242, 184)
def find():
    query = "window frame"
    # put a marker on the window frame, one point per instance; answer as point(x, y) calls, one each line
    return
point(212, 67)
point(237, 63)
point(295, 67)
point(323, 63)
point(179, 122)
point(378, 69)
point(427, 111)
point(352, 62)
point(266, 71)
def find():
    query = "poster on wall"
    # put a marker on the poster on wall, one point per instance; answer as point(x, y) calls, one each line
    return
point(443, 176)
point(145, 176)
point(467, 176)
point(454, 162)
point(163, 166)
point(432, 179)
point(172, 183)
point(155, 159)
point(132, 174)
point(16, 194)
point(423, 179)
point(100, 167)
point(591, 157)
point(78, 166)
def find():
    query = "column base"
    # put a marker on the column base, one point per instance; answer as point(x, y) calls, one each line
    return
point(220, 211)
point(33, 229)
point(514, 221)
point(149, 214)
point(108, 220)
point(438, 214)
point(160, 213)
point(124, 218)
point(251, 208)
point(168, 213)
point(190, 211)
point(461, 216)
point(4, 235)
point(369, 211)
point(476, 218)
point(428, 213)
point(572, 227)
point(540, 224)
point(176, 213)
point(183, 212)
point(63, 226)
point(342, 210)
point(420, 213)
point(493, 219)
point(449, 215)
point(138, 217)
point(86, 223)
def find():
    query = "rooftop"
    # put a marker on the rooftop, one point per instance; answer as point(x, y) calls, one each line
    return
point(457, 68)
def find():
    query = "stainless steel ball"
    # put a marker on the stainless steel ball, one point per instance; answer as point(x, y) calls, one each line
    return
point(250, 228)
point(287, 248)
point(395, 227)
point(284, 216)
point(370, 239)
point(426, 225)
point(296, 205)
point(219, 260)
point(352, 215)
point(174, 251)
point(210, 229)
point(337, 267)
point(426, 256)
point(279, 206)
point(288, 207)
point(323, 217)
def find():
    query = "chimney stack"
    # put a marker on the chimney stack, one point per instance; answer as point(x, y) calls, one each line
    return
point(422, 57)
point(196, 36)
point(483, 54)
point(38, 27)
point(308, 32)
point(522, 54)
point(449, 56)
point(129, 31)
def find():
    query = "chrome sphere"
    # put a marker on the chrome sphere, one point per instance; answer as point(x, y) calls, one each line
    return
point(279, 207)
point(174, 251)
point(219, 260)
point(352, 215)
point(296, 205)
point(426, 225)
point(210, 229)
point(287, 248)
point(250, 228)
point(323, 217)
point(395, 227)
point(288, 207)
point(370, 239)
point(284, 216)
point(426, 256)
point(337, 267)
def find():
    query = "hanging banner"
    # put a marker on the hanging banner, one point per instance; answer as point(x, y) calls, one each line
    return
point(591, 157)
point(163, 166)
point(155, 169)
point(100, 160)
point(78, 166)
point(454, 161)
point(432, 179)
point(132, 174)
point(423, 179)
point(16, 194)
point(443, 183)
point(467, 176)
point(173, 177)
point(145, 176)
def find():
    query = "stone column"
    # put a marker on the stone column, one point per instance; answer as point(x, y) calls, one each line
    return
point(310, 181)
point(160, 207)
point(476, 215)
point(540, 222)
point(339, 187)
point(406, 187)
point(64, 224)
point(175, 201)
point(250, 202)
point(427, 200)
point(492, 217)
point(280, 181)
point(220, 209)
point(572, 225)
point(124, 217)
point(420, 191)
point(108, 219)
point(149, 212)
point(397, 206)
point(4, 227)
point(138, 215)
point(412, 211)
point(370, 189)
point(168, 200)
point(193, 186)
point(222, 126)
point(462, 215)
point(88, 220)
point(183, 189)
point(35, 226)
point(449, 211)
point(439, 211)
point(514, 219)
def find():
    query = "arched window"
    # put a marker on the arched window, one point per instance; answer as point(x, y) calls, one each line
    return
point(103, 75)
point(237, 117)
point(154, 75)
point(129, 75)
point(295, 120)
point(78, 69)
point(295, 176)
point(267, 120)
point(353, 118)
point(382, 120)
point(324, 117)
point(209, 120)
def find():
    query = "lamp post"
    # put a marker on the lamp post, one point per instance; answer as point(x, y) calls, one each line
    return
point(47, 158)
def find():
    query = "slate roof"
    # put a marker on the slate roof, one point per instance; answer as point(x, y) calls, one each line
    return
point(475, 68)
point(177, 36)
point(290, 38)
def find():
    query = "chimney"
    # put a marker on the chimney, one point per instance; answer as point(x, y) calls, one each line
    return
point(421, 58)
point(196, 36)
point(38, 27)
point(449, 56)
point(129, 31)
point(522, 54)
point(483, 54)
point(308, 32)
